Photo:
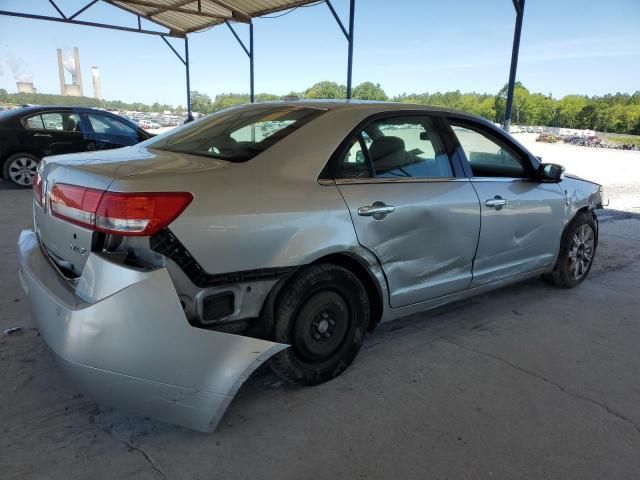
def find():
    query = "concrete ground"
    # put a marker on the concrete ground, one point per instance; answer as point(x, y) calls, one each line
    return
point(526, 382)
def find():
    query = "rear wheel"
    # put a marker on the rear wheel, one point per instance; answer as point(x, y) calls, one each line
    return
point(577, 251)
point(323, 313)
point(20, 169)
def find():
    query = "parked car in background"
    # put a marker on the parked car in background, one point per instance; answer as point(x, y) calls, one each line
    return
point(149, 125)
point(28, 134)
point(163, 274)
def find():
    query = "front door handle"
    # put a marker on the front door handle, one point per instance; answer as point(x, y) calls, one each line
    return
point(377, 210)
point(496, 202)
point(42, 135)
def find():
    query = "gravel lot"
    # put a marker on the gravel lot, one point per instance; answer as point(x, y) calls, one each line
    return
point(617, 170)
point(526, 382)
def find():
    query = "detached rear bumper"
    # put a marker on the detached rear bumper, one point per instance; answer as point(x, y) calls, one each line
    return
point(122, 336)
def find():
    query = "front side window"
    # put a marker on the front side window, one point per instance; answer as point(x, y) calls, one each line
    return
point(102, 124)
point(396, 147)
point(236, 134)
point(487, 157)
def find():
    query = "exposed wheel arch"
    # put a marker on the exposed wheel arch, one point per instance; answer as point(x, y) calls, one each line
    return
point(360, 269)
point(590, 211)
point(346, 260)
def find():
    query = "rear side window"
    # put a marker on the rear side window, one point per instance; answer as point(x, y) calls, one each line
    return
point(236, 134)
point(61, 121)
point(34, 123)
point(487, 157)
point(396, 147)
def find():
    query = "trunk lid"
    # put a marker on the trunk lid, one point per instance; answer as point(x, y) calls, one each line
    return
point(69, 245)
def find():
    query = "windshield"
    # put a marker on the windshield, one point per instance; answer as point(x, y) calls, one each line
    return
point(236, 134)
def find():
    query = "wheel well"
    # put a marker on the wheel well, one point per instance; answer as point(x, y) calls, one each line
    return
point(263, 326)
point(591, 212)
point(358, 268)
point(4, 156)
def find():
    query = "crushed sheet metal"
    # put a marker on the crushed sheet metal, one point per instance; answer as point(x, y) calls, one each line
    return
point(127, 343)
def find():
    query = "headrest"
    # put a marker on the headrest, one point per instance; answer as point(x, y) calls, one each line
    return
point(387, 153)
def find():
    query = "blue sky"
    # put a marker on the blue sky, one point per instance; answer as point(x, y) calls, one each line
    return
point(587, 47)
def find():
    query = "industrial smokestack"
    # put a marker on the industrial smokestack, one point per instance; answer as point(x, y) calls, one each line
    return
point(76, 64)
point(63, 90)
point(96, 82)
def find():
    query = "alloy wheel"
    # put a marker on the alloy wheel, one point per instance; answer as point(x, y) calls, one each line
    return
point(22, 170)
point(581, 251)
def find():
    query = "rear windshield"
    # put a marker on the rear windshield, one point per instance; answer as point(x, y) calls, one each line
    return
point(236, 134)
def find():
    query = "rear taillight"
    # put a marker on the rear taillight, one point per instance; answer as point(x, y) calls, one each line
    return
point(37, 189)
point(131, 214)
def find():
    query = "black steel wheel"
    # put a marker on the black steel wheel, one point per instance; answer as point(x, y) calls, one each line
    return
point(323, 313)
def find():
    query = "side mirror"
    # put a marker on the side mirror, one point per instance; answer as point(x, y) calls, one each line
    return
point(550, 172)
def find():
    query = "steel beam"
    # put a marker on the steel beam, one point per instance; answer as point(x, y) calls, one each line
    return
point(348, 34)
point(352, 7)
point(249, 52)
point(88, 5)
point(175, 51)
point(58, 9)
point(186, 64)
point(164, 9)
point(251, 86)
point(519, 7)
point(187, 11)
point(90, 24)
point(335, 15)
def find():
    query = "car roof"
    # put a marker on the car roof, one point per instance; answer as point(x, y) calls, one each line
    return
point(369, 106)
point(45, 108)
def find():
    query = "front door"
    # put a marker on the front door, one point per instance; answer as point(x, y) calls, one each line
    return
point(522, 218)
point(409, 207)
point(105, 132)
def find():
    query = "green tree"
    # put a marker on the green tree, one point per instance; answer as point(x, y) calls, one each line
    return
point(369, 91)
point(587, 117)
point(200, 102)
point(519, 108)
point(570, 108)
point(326, 89)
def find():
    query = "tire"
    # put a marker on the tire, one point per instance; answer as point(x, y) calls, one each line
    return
point(577, 251)
point(323, 313)
point(20, 169)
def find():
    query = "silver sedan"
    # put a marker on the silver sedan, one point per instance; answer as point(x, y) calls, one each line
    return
point(161, 275)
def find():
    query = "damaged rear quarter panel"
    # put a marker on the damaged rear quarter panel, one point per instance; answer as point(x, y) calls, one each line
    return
point(127, 342)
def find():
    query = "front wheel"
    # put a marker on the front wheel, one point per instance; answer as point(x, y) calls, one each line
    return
point(20, 169)
point(577, 251)
point(323, 313)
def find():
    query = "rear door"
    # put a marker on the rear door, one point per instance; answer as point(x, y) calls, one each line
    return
point(522, 218)
point(55, 132)
point(410, 205)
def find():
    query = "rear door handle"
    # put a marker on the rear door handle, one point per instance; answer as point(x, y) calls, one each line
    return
point(497, 202)
point(377, 210)
point(42, 135)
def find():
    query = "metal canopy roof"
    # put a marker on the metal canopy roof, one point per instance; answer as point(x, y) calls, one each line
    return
point(185, 16)
point(182, 17)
